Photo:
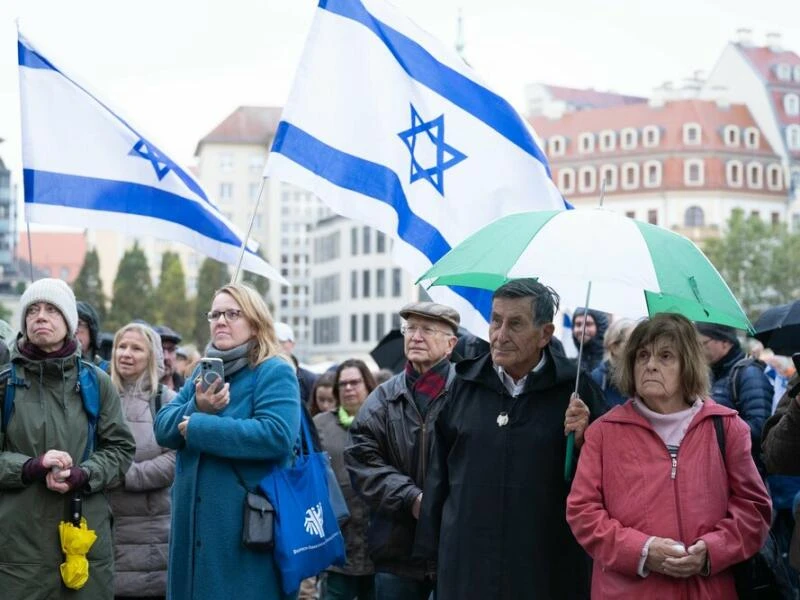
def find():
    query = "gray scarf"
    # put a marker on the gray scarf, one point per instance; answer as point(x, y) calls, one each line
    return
point(233, 360)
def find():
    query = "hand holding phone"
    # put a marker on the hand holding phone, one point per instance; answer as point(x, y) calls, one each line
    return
point(212, 373)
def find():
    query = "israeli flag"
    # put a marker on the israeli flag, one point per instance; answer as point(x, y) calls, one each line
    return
point(86, 166)
point(389, 126)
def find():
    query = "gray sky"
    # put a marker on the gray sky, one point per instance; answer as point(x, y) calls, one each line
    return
point(176, 68)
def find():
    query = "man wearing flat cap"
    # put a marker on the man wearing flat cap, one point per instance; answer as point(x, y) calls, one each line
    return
point(391, 439)
point(737, 382)
point(169, 344)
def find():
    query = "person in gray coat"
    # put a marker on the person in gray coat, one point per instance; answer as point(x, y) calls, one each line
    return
point(141, 505)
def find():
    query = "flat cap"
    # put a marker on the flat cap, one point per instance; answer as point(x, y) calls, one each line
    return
point(432, 310)
point(722, 333)
point(167, 334)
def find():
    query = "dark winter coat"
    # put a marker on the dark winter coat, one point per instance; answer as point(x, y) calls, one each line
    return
point(495, 496)
point(49, 414)
point(753, 395)
point(593, 348)
point(334, 437)
point(388, 458)
point(603, 377)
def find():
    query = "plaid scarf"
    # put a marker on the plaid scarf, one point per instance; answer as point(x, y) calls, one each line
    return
point(427, 387)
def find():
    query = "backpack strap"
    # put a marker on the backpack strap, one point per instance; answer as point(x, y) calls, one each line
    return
point(736, 370)
point(89, 388)
point(8, 384)
point(720, 429)
point(156, 401)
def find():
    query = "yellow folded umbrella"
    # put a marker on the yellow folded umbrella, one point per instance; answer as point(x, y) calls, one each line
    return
point(75, 543)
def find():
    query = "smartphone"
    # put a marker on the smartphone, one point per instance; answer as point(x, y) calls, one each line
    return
point(211, 370)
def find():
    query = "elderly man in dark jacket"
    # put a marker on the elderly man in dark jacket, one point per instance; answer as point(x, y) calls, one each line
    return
point(390, 446)
point(494, 505)
point(737, 382)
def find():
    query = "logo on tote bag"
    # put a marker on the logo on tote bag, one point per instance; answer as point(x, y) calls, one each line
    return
point(314, 521)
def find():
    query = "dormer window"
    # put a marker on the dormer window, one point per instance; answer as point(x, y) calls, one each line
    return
point(784, 72)
point(791, 105)
point(731, 135)
point(774, 177)
point(693, 172)
point(751, 137)
point(629, 138)
point(755, 175)
point(692, 134)
point(608, 140)
point(651, 136)
point(652, 174)
point(733, 173)
point(586, 143)
point(793, 137)
point(557, 145)
point(566, 180)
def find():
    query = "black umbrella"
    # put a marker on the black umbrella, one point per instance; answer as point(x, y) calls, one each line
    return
point(778, 328)
point(388, 354)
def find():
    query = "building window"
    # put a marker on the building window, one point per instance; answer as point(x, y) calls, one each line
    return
point(366, 242)
point(629, 138)
point(380, 242)
point(255, 163)
point(755, 175)
point(354, 241)
point(608, 140)
point(694, 217)
point(731, 135)
point(380, 326)
point(733, 173)
point(784, 72)
point(652, 217)
point(751, 137)
point(586, 143)
point(366, 280)
point(353, 328)
point(365, 328)
point(631, 214)
point(630, 176)
point(651, 136)
point(774, 179)
point(796, 71)
point(226, 162)
point(692, 134)
point(252, 191)
point(557, 145)
point(566, 180)
point(776, 218)
point(791, 105)
point(225, 191)
point(325, 331)
point(755, 214)
point(397, 283)
point(587, 180)
point(354, 284)
point(693, 172)
point(793, 137)
point(608, 174)
point(395, 321)
point(380, 283)
point(652, 174)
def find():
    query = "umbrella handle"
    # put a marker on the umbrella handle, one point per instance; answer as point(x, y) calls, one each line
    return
point(570, 454)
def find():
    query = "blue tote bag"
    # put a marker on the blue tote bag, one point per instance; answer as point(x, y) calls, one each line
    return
point(307, 535)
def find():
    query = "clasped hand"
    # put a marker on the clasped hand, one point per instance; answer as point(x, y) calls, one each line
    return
point(59, 463)
point(668, 557)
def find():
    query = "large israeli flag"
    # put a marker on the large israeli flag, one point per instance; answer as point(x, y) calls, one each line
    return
point(390, 127)
point(86, 166)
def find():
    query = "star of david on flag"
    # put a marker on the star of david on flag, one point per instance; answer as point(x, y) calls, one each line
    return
point(85, 165)
point(345, 135)
point(446, 155)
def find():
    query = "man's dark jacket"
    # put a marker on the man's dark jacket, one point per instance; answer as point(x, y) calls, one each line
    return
point(495, 496)
point(387, 459)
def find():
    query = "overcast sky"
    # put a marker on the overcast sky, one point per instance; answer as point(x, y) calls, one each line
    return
point(176, 68)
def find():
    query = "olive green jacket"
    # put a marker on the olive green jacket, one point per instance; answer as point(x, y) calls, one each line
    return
point(49, 414)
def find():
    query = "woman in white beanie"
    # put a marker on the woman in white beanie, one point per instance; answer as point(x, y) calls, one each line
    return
point(47, 456)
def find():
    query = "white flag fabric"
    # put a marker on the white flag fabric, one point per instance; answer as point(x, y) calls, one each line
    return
point(86, 166)
point(389, 126)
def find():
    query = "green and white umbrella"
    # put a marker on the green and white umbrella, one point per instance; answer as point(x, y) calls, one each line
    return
point(636, 269)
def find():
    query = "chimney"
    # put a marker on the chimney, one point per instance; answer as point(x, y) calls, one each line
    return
point(774, 41)
point(744, 36)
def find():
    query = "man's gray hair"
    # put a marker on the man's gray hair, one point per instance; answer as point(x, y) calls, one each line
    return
point(544, 299)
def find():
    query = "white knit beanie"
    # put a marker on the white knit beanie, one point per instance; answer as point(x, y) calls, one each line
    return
point(57, 293)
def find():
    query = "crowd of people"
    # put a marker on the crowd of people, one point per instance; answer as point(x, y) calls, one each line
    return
point(454, 471)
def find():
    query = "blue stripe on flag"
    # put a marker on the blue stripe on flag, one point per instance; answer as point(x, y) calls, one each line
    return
point(74, 191)
point(378, 182)
point(472, 97)
point(30, 58)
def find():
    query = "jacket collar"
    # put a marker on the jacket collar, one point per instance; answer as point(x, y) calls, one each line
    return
point(725, 364)
point(399, 387)
point(626, 413)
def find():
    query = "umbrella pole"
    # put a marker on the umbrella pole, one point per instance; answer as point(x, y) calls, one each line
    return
point(568, 460)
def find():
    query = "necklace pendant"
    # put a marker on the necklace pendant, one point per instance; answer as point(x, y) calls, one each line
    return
point(502, 419)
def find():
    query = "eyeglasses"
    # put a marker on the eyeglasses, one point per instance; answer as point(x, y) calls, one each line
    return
point(424, 331)
point(350, 383)
point(231, 315)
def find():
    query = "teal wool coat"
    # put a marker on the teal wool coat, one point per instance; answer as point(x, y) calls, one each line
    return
point(254, 433)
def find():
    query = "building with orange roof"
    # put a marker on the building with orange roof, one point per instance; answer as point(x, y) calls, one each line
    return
point(55, 254)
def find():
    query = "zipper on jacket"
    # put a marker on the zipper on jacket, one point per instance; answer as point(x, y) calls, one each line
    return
point(676, 492)
point(674, 466)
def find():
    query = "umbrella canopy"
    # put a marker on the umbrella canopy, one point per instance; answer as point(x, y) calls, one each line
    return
point(75, 543)
point(636, 269)
point(778, 328)
point(389, 354)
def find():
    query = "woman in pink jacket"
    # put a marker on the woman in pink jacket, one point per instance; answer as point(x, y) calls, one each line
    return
point(653, 502)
